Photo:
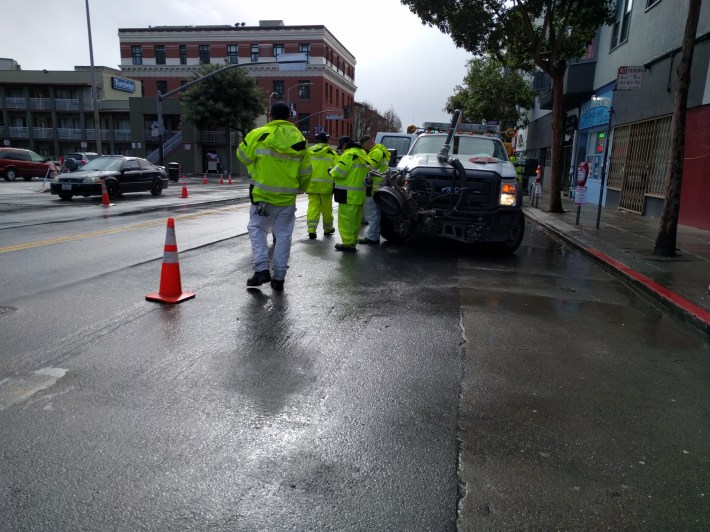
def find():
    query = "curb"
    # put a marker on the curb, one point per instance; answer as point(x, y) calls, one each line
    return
point(678, 305)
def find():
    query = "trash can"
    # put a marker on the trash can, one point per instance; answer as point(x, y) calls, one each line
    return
point(174, 172)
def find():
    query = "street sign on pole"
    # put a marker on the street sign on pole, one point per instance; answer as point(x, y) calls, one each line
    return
point(333, 117)
point(629, 78)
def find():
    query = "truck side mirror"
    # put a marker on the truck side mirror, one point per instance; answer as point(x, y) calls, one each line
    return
point(393, 158)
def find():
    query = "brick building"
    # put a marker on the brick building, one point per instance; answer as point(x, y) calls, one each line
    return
point(163, 58)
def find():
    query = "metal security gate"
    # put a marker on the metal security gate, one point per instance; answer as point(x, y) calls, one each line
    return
point(639, 160)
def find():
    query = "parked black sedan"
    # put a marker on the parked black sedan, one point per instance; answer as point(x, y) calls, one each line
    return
point(121, 174)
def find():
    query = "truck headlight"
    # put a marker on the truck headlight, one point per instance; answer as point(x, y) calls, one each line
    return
point(508, 194)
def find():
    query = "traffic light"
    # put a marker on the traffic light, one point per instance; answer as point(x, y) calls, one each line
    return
point(346, 111)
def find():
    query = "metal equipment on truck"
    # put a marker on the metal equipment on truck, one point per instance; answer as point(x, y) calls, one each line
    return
point(455, 186)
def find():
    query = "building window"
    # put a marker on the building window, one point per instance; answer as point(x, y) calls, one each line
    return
point(304, 123)
point(160, 54)
point(232, 54)
point(278, 50)
point(137, 54)
point(305, 49)
point(304, 90)
point(162, 86)
point(204, 54)
point(620, 29)
point(183, 54)
point(651, 3)
point(254, 53)
point(278, 88)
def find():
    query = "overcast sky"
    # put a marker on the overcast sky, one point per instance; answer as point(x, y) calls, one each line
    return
point(401, 64)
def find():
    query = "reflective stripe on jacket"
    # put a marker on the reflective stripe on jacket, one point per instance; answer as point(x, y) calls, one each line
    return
point(381, 158)
point(349, 173)
point(323, 158)
point(277, 158)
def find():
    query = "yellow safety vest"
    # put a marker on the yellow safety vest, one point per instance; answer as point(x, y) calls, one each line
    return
point(323, 158)
point(349, 173)
point(381, 158)
point(277, 158)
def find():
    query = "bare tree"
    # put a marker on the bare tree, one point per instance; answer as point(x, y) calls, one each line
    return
point(666, 240)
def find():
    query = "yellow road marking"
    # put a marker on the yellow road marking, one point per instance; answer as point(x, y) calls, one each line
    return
point(103, 232)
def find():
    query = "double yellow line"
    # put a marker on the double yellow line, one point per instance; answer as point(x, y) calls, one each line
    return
point(104, 232)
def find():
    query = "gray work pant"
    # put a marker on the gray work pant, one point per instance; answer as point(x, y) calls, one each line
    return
point(280, 221)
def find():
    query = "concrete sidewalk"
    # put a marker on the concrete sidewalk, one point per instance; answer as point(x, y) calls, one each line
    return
point(623, 243)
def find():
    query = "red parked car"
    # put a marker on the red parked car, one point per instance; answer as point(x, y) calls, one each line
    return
point(17, 162)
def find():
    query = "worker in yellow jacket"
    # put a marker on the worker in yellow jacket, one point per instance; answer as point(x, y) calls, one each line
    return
point(349, 174)
point(380, 157)
point(277, 158)
point(320, 190)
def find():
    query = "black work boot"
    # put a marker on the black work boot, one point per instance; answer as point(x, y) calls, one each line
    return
point(312, 236)
point(259, 278)
point(345, 247)
point(277, 285)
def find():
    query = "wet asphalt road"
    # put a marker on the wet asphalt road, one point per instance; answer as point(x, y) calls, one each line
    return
point(418, 387)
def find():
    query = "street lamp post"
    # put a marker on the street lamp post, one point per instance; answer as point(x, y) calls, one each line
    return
point(97, 125)
point(288, 91)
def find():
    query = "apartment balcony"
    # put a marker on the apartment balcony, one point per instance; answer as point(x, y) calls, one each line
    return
point(13, 102)
point(43, 132)
point(15, 132)
point(65, 133)
point(578, 86)
point(41, 103)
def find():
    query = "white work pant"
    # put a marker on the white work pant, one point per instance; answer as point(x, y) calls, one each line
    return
point(371, 214)
point(280, 221)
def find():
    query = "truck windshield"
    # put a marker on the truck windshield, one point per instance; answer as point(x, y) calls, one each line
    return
point(467, 145)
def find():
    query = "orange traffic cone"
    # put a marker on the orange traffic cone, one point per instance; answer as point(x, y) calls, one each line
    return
point(184, 187)
point(204, 179)
point(170, 286)
point(104, 195)
point(229, 182)
point(221, 179)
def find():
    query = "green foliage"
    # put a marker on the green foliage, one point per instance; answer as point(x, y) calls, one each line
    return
point(230, 100)
point(492, 92)
point(548, 33)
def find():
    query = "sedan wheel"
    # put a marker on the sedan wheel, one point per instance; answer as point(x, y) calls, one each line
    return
point(157, 188)
point(112, 189)
point(10, 174)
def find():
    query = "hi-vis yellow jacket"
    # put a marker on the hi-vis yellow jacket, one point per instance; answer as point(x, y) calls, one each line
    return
point(323, 158)
point(381, 159)
point(349, 174)
point(277, 158)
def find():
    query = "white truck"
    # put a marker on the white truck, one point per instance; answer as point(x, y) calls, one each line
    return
point(455, 186)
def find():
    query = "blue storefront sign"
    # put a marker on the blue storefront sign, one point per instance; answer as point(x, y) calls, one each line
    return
point(595, 112)
point(123, 84)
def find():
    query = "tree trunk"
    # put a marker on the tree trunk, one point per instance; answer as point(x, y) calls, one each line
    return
point(665, 245)
point(556, 141)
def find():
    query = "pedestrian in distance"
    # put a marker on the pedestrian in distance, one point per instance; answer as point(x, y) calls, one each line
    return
point(349, 174)
point(320, 190)
point(380, 157)
point(279, 164)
